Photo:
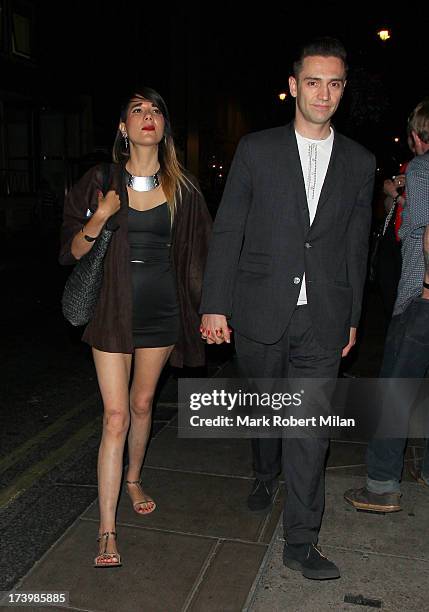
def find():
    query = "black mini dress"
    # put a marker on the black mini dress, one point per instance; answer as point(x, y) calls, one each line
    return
point(154, 295)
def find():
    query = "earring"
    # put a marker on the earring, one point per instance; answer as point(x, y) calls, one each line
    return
point(125, 136)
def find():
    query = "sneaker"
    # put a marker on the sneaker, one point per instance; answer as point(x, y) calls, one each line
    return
point(262, 494)
point(309, 560)
point(362, 499)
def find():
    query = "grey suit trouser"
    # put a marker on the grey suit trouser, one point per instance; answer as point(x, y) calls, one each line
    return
point(296, 355)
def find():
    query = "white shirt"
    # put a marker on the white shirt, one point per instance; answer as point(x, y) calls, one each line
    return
point(314, 156)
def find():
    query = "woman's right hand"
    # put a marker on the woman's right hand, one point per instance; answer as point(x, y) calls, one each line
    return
point(108, 204)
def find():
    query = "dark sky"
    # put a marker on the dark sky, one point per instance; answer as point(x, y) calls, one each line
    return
point(103, 49)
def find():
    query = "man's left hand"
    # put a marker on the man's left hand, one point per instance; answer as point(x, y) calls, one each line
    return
point(352, 342)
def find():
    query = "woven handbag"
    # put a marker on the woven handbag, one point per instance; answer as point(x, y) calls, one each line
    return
point(83, 286)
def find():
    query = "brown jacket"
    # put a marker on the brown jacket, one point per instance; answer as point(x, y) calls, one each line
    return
point(110, 329)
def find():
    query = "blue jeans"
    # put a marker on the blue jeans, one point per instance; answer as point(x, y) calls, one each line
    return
point(406, 355)
point(425, 465)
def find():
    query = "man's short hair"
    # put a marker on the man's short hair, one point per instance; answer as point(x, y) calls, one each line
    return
point(418, 121)
point(324, 46)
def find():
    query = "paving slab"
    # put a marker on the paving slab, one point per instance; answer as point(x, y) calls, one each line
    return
point(399, 583)
point(345, 527)
point(216, 456)
point(149, 579)
point(384, 558)
point(228, 578)
point(194, 503)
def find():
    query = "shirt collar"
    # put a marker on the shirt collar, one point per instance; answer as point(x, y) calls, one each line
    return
point(326, 143)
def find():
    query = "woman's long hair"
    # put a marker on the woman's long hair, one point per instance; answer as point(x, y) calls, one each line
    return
point(172, 176)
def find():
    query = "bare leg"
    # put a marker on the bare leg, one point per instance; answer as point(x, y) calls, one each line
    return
point(113, 373)
point(148, 365)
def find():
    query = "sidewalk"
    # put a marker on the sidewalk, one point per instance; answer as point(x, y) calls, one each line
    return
point(384, 559)
point(200, 550)
point(203, 551)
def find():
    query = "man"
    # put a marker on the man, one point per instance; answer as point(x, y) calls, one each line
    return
point(406, 352)
point(286, 269)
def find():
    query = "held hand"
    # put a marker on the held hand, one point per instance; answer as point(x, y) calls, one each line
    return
point(352, 342)
point(214, 329)
point(108, 204)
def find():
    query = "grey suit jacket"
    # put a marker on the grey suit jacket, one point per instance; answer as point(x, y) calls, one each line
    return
point(262, 241)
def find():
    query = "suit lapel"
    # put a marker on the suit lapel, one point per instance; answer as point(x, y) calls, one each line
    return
point(294, 174)
point(334, 174)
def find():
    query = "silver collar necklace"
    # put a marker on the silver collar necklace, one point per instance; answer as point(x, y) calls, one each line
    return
point(142, 183)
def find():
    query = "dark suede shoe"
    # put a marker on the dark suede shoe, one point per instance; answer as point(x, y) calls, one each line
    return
point(308, 559)
point(262, 494)
point(362, 499)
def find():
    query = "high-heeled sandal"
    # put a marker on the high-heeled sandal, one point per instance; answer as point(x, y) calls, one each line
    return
point(98, 561)
point(147, 500)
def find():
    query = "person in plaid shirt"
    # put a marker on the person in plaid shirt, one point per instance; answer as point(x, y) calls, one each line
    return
point(406, 352)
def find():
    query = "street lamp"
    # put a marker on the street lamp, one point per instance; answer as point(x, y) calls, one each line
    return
point(383, 34)
point(283, 96)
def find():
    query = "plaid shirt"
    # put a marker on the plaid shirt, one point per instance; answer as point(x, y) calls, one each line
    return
point(415, 218)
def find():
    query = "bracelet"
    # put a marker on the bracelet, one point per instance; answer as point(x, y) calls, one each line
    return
point(425, 285)
point(88, 238)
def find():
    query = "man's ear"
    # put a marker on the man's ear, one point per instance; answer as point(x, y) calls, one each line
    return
point(416, 140)
point(293, 86)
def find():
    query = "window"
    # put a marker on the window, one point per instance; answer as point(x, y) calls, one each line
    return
point(22, 29)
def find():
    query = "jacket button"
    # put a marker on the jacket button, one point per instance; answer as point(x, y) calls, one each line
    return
point(307, 245)
point(296, 280)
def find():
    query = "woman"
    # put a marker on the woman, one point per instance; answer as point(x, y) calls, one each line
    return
point(148, 304)
point(389, 261)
